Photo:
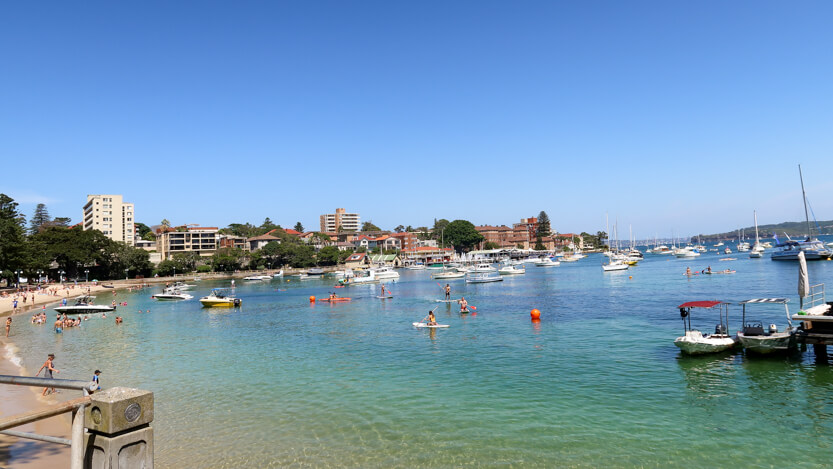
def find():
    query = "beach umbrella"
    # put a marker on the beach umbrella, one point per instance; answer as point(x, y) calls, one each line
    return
point(803, 280)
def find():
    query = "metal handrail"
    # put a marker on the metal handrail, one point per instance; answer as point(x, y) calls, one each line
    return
point(76, 406)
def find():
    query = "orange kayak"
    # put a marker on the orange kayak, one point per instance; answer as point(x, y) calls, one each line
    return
point(334, 300)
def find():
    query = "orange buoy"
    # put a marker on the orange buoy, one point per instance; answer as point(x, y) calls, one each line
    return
point(312, 299)
point(535, 314)
point(630, 276)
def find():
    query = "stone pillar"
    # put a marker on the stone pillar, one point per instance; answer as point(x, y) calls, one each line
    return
point(119, 435)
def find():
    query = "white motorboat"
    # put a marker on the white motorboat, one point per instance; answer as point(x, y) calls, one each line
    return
point(662, 249)
point(257, 277)
point(219, 297)
point(755, 338)
point(694, 342)
point(448, 274)
point(182, 286)
point(84, 304)
point(279, 274)
point(482, 268)
point(170, 294)
point(511, 270)
point(547, 262)
point(614, 265)
point(417, 266)
point(385, 273)
point(686, 252)
point(360, 277)
point(483, 277)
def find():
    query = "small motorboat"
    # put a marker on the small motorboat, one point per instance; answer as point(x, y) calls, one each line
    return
point(547, 262)
point(315, 271)
point(84, 304)
point(483, 277)
point(695, 342)
point(219, 298)
point(754, 338)
point(170, 294)
point(511, 270)
point(448, 274)
point(279, 274)
point(257, 277)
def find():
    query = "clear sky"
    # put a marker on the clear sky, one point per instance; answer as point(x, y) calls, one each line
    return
point(678, 117)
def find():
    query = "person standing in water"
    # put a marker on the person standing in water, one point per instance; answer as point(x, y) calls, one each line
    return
point(447, 291)
point(48, 369)
point(8, 325)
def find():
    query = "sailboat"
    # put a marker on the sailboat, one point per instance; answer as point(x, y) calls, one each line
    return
point(812, 248)
point(757, 249)
point(615, 263)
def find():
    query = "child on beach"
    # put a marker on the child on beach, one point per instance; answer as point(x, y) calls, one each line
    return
point(49, 368)
point(8, 325)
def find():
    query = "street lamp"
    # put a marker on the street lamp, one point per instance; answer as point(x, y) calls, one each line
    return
point(87, 274)
point(40, 275)
point(61, 274)
point(126, 273)
point(17, 278)
point(174, 271)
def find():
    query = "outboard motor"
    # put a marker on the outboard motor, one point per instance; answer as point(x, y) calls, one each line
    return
point(720, 329)
point(773, 328)
point(237, 302)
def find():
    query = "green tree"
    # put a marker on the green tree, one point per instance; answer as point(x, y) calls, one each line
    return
point(491, 245)
point(149, 236)
point(125, 257)
point(143, 230)
point(270, 253)
point(399, 229)
point(299, 227)
point(256, 260)
point(227, 259)
point(268, 225)
point(13, 247)
point(543, 230)
point(462, 235)
point(539, 244)
point(186, 261)
point(369, 226)
point(165, 223)
point(439, 227)
point(59, 221)
point(39, 218)
point(75, 250)
point(328, 255)
point(409, 229)
point(167, 268)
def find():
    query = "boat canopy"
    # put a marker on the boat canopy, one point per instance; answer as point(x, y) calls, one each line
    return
point(766, 300)
point(700, 304)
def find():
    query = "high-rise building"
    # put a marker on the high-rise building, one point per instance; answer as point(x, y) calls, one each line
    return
point(112, 216)
point(331, 222)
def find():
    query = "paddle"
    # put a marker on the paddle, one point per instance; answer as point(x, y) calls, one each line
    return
point(426, 317)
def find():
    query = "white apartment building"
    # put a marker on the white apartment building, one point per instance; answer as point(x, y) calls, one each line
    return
point(199, 239)
point(330, 222)
point(112, 216)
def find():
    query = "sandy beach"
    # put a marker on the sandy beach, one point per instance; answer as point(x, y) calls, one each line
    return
point(30, 454)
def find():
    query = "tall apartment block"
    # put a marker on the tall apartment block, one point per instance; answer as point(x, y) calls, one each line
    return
point(112, 216)
point(330, 222)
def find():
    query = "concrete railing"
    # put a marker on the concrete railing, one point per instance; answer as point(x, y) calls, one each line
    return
point(103, 424)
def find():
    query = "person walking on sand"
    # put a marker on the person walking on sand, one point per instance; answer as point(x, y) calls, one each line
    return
point(8, 325)
point(48, 369)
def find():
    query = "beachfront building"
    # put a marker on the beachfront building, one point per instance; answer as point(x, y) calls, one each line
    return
point(340, 221)
point(406, 240)
point(199, 239)
point(110, 215)
point(388, 260)
point(426, 255)
point(257, 242)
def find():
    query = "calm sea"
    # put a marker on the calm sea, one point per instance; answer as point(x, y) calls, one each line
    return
point(596, 383)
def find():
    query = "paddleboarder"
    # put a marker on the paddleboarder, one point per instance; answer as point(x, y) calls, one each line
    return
point(464, 305)
point(432, 321)
point(447, 291)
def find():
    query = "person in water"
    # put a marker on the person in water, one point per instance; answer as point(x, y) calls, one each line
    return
point(432, 321)
point(709, 270)
point(447, 291)
point(9, 325)
point(48, 368)
point(59, 326)
point(464, 305)
point(688, 270)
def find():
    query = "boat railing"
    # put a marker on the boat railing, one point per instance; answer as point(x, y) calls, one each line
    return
point(815, 297)
point(104, 434)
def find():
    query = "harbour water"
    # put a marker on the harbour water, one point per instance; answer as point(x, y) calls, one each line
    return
point(596, 383)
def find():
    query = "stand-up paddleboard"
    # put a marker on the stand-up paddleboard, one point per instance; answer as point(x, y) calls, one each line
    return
point(447, 301)
point(423, 324)
point(385, 297)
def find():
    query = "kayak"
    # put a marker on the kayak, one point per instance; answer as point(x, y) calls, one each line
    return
point(422, 324)
point(384, 297)
point(447, 301)
point(718, 272)
point(334, 300)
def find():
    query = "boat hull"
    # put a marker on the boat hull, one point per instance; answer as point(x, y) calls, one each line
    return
point(89, 309)
point(693, 345)
point(768, 344)
point(220, 303)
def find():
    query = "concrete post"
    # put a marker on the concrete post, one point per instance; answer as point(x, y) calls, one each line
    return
point(119, 432)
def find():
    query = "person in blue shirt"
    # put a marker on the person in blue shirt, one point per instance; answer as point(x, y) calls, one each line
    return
point(95, 380)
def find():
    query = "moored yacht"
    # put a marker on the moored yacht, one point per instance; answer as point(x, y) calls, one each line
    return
point(84, 304)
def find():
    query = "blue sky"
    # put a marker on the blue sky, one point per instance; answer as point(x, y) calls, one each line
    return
point(670, 116)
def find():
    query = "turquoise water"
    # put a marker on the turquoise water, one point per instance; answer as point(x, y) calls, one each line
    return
point(597, 382)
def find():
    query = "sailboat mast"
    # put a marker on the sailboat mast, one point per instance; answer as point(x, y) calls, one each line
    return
point(804, 196)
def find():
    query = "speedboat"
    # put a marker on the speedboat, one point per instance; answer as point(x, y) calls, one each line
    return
point(182, 286)
point(547, 262)
point(448, 274)
point(755, 338)
point(360, 277)
point(662, 249)
point(84, 304)
point(686, 252)
point(483, 277)
point(614, 265)
point(219, 298)
point(258, 277)
point(511, 270)
point(171, 294)
point(482, 268)
point(695, 342)
point(315, 271)
point(384, 273)
point(417, 266)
